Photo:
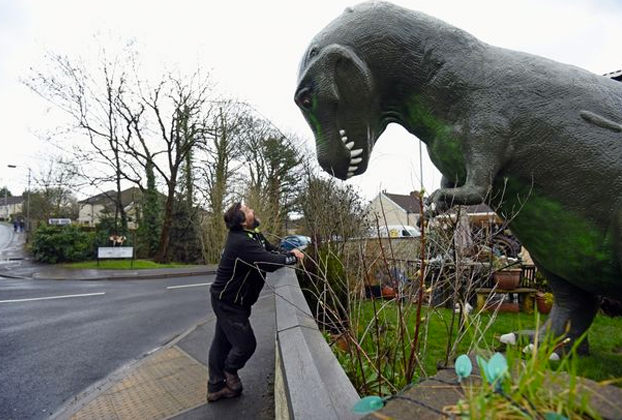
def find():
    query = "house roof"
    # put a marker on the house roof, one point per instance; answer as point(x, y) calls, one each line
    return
point(128, 196)
point(410, 203)
point(16, 199)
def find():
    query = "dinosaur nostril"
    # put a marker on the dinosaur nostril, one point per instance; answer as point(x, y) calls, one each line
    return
point(303, 98)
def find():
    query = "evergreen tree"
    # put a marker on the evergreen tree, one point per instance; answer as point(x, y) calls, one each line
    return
point(151, 221)
point(185, 245)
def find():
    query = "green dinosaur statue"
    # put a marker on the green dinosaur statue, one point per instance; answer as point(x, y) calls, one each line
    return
point(539, 141)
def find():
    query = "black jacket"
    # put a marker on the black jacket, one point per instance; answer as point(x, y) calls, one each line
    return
point(243, 265)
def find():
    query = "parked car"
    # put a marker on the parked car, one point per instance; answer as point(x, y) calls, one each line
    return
point(294, 241)
point(396, 231)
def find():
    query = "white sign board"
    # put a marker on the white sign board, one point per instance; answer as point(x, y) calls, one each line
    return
point(59, 221)
point(115, 252)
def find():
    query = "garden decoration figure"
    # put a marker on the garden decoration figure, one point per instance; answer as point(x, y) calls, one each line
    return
point(537, 140)
point(117, 239)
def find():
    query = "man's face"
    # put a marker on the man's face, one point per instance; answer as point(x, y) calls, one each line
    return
point(250, 216)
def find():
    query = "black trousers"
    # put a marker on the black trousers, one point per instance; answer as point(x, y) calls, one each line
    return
point(233, 344)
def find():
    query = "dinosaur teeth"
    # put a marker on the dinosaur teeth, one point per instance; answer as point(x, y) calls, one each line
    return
point(354, 161)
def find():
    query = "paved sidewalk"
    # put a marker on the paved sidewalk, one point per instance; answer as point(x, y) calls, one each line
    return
point(171, 382)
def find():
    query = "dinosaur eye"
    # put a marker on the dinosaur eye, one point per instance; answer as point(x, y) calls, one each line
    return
point(313, 52)
point(304, 99)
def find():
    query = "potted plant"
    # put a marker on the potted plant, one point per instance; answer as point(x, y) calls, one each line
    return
point(506, 274)
point(544, 302)
point(544, 297)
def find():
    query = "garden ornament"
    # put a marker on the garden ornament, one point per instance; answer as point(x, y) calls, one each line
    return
point(537, 140)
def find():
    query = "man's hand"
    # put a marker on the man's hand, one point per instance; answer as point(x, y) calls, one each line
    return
point(298, 254)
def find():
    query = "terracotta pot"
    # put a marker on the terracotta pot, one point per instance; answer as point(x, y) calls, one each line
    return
point(507, 279)
point(543, 306)
point(388, 292)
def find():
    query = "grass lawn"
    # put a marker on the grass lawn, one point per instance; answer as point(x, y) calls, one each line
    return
point(121, 265)
point(605, 336)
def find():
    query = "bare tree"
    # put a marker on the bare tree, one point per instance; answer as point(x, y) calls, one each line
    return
point(348, 213)
point(90, 97)
point(52, 196)
point(179, 110)
point(274, 162)
point(221, 160)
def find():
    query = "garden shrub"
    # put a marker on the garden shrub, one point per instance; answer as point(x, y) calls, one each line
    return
point(53, 244)
point(323, 278)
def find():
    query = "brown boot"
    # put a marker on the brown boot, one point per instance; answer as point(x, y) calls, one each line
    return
point(225, 392)
point(233, 382)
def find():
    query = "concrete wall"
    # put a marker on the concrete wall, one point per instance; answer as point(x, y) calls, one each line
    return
point(309, 381)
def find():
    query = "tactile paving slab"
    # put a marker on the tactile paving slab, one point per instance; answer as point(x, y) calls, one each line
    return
point(166, 384)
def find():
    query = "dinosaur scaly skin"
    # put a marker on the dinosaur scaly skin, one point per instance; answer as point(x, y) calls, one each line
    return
point(539, 141)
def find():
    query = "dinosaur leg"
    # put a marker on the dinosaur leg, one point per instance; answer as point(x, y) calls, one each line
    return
point(572, 314)
point(573, 311)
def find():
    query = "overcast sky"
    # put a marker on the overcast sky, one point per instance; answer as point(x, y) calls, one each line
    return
point(253, 48)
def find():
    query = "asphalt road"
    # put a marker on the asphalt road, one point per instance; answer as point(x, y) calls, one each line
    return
point(52, 349)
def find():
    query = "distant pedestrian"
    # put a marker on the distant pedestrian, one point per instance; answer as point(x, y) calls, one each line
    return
point(21, 225)
point(239, 280)
point(15, 225)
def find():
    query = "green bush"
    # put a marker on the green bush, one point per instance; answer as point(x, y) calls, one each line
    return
point(324, 280)
point(53, 244)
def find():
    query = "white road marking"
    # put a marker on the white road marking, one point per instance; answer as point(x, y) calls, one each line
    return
point(183, 286)
point(52, 297)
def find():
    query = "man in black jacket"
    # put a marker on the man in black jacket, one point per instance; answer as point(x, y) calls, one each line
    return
point(239, 279)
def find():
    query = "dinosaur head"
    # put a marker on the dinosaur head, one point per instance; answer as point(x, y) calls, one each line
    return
point(336, 96)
